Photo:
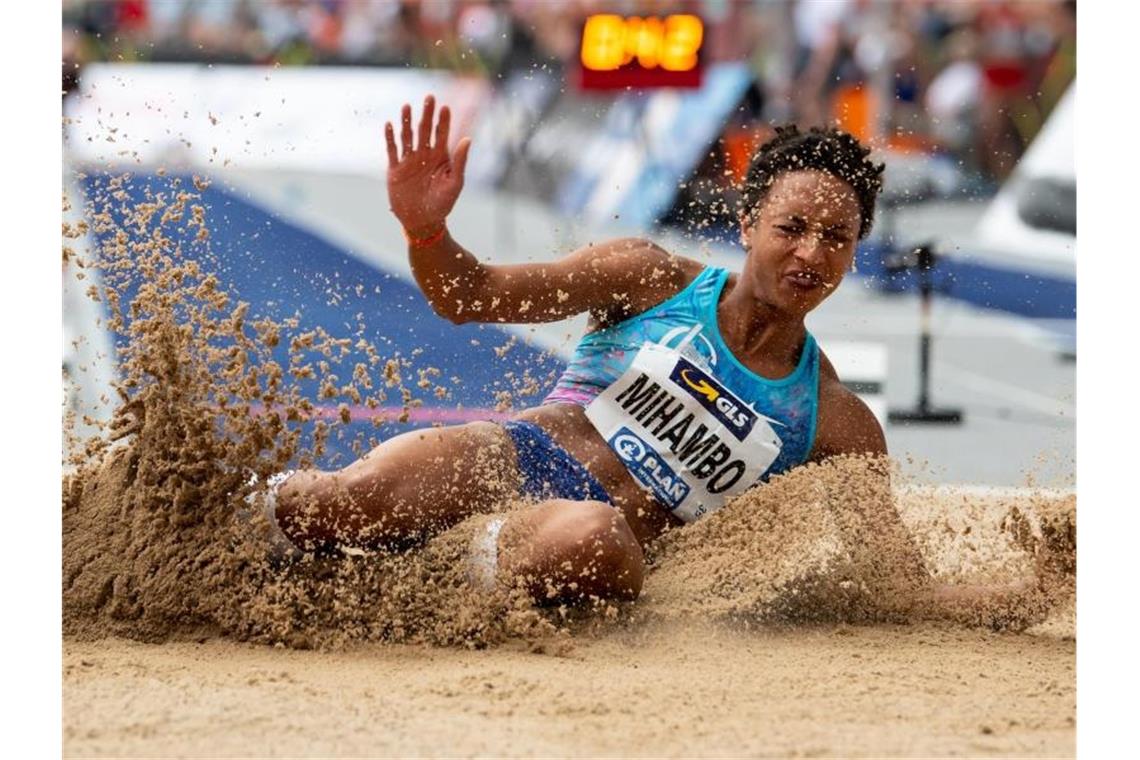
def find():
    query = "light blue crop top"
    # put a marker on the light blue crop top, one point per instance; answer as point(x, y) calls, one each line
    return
point(602, 356)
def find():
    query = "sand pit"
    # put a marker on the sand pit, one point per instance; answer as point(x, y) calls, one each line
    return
point(715, 674)
point(672, 690)
point(790, 622)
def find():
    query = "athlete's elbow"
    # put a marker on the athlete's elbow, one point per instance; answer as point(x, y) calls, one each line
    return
point(459, 319)
point(452, 311)
point(461, 301)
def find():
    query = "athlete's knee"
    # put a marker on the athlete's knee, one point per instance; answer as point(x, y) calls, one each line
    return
point(599, 551)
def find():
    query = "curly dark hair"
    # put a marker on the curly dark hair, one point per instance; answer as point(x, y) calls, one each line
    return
point(825, 149)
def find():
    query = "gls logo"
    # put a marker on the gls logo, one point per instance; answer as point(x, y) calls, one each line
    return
point(730, 410)
point(704, 388)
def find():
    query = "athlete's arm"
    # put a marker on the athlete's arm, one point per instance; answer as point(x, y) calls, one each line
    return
point(611, 280)
point(892, 561)
point(846, 427)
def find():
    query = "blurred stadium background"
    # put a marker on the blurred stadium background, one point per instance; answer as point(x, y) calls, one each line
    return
point(281, 103)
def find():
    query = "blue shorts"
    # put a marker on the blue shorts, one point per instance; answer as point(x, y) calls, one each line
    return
point(547, 469)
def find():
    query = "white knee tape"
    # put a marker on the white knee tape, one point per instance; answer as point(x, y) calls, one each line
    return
point(484, 559)
point(280, 544)
point(272, 483)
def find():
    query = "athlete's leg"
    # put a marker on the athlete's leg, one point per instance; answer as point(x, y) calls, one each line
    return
point(571, 551)
point(406, 489)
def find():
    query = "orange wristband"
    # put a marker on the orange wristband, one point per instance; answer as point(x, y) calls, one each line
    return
point(431, 239)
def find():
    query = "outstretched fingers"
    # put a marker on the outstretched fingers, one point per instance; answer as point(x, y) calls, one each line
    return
point(390, 140)
point(406, 130)
point(459, 165)
point(443, 128)
point(426, 120)
point(422, 135)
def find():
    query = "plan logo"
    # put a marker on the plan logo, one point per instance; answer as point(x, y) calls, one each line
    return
point(643, 461)
point(713, 396)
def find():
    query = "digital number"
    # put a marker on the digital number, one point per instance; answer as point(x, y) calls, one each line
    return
point(683, 38)
point(610, 42)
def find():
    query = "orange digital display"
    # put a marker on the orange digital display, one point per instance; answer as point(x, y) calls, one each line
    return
point(619, 51)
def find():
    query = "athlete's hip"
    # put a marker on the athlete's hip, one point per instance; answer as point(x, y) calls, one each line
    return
point(568, 427)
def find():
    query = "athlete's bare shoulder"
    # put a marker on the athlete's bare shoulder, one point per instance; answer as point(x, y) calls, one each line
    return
point(844, 424)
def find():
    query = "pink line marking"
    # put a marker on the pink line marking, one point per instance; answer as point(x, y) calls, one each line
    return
point(360, 412)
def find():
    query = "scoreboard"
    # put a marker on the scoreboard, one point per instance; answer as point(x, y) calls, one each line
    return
point(618, 52)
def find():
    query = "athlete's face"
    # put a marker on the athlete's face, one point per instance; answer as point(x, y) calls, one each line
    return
point(801, 241)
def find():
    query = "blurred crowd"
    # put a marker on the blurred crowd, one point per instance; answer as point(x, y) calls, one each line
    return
point(972, 78)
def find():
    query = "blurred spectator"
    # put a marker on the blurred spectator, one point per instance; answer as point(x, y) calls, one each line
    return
point(972, 78)
point(72, 60)
point(823, 55)
point(954, 98)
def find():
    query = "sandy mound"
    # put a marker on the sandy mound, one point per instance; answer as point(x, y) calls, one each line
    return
point(753, 624)
point(155, 545)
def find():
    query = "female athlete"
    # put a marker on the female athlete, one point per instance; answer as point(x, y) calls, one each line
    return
point(691, 385)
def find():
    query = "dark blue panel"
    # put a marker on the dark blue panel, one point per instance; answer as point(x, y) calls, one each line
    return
point(1011, 290)
point(283, 270)
point(1016, 291)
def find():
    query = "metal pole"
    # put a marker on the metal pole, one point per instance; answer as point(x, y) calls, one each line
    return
point(924, 341)
point(923, 260)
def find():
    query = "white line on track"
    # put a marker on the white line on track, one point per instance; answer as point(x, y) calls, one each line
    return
point(1014, 394)
point(981, 490)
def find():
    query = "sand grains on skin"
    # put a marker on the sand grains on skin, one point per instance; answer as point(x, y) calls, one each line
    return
point(767, 628)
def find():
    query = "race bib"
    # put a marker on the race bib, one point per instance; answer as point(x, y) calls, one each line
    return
point(682, 435)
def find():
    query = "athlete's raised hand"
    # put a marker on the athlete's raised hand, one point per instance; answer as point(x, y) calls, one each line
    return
point(424, 179)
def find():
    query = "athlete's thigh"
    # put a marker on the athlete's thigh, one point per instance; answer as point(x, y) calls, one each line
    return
point(430, 479)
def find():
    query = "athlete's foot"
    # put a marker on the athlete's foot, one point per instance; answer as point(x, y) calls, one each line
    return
point(260, 512)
